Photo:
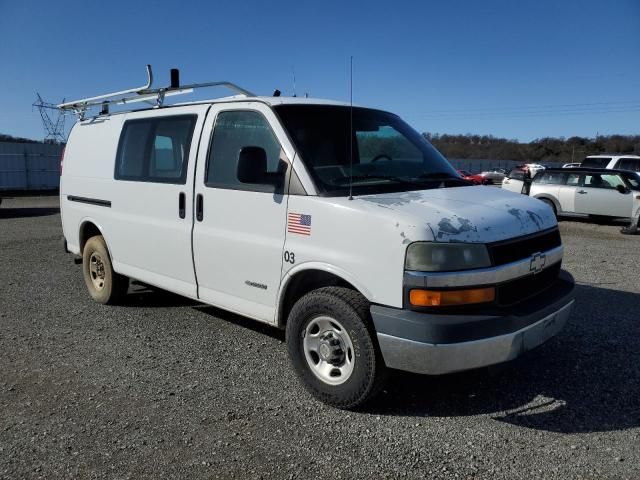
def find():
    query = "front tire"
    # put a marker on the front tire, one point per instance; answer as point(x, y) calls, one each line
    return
point(104, 284)
point(333, 348)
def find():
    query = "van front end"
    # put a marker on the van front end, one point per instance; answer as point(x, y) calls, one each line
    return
point(469, 318)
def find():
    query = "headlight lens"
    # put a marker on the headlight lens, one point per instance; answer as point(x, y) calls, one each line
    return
point(446, 257)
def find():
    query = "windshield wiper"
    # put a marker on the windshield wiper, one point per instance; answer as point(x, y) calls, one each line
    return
point(392, 178)
point(438, 176)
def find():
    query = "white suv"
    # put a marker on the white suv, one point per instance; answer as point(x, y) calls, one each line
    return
point(621, 162)
point(380, 258)
point(595, 192)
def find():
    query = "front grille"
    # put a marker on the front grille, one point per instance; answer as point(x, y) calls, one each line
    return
point(518, 248)
point(523, 288)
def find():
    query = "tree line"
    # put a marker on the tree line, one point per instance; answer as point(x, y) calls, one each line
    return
point(10, 138)
point(547, 149)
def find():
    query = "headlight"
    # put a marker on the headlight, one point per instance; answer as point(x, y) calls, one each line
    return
point(446, 257)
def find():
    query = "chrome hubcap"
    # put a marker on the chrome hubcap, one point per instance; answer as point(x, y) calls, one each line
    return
point(96, 271)
point(328, 350)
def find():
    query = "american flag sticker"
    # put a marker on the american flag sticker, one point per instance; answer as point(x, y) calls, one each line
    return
point(299, 223)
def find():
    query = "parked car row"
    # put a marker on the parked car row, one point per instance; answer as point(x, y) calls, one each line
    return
point(580, 191)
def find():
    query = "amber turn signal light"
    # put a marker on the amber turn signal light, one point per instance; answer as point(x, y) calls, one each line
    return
point(450, 298)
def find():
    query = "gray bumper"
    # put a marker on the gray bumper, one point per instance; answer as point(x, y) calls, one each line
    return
point(436, 359)
point(438, 344)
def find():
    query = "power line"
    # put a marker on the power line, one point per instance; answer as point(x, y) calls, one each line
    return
point(566, 107)
point(524, 113)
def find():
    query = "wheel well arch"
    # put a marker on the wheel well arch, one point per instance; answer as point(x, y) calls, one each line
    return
point(302, 283)
point(551, 198)
point(88, 229)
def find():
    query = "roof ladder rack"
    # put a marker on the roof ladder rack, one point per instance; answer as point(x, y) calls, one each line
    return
point(144, 93)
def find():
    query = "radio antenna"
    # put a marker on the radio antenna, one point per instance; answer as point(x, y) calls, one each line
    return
point(293, 71)
point(351, 128)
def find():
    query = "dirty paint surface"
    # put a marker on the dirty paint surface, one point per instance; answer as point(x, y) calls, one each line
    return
point(469, 214)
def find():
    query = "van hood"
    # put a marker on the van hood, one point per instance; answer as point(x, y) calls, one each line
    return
point(468, 214)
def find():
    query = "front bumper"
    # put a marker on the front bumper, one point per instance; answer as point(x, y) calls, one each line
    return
point(437, 343)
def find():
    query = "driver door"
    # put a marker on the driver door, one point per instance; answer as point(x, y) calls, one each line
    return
point(598, 196)
point(239, 228)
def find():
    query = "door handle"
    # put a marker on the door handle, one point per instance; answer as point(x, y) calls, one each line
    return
point(581, 192)
point(199, 208)
point(182, 204)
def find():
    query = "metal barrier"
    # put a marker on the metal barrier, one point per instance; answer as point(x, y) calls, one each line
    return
point(29, 166)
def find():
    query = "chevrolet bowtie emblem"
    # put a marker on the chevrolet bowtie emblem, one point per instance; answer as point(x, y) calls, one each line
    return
point(538, 260)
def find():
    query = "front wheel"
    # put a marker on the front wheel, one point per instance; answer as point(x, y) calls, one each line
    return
point(333, 348)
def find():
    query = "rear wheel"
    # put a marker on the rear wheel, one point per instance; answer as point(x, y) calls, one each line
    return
point(551, 204)
point(104, 284)
point(333, 348)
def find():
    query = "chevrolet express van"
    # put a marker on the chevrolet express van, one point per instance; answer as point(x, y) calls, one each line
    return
point(341, 225)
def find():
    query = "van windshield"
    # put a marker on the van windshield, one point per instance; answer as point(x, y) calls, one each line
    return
point(388, 155)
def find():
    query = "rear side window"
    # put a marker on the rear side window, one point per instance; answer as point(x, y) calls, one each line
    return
point(233, 131)
point(600, 162)
point(155, 149)
point(550, 178)
point(632, 164)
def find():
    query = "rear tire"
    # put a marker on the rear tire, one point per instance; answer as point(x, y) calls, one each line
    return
point(104, 284)
point(333, 347)
point(551, 204)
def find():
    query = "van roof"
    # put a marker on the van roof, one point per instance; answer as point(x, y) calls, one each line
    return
point(272, 101)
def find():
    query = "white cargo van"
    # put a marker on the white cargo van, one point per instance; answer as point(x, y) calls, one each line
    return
point(341, 225)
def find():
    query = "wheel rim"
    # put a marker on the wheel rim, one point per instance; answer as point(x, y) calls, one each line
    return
point(96, 271)
point(328, 350)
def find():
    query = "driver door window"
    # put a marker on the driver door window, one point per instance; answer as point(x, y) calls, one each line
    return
point(233, 131)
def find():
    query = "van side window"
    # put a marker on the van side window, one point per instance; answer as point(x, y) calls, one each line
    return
point(155, 149)
point(597, 162)
point(233, 131)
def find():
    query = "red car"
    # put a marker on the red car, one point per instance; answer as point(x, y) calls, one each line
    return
point(476, 179)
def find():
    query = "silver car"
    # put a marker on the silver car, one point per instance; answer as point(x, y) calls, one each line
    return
point(593, 192)
point(495, 175)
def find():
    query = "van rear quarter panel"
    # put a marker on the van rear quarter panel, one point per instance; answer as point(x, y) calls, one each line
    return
point(88, 167)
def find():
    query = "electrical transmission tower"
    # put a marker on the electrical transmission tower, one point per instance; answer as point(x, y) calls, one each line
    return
point(52, 120)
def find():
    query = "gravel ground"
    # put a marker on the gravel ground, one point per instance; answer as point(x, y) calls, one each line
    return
point(163, 387)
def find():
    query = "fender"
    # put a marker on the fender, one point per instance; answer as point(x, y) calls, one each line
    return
point(550, 197)
point(99, 227)
point(322, 266)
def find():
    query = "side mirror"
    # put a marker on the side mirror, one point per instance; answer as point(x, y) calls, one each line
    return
point(252, 168)
point(622, 188)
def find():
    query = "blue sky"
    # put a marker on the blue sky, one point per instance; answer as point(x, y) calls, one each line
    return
point(516, 69)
